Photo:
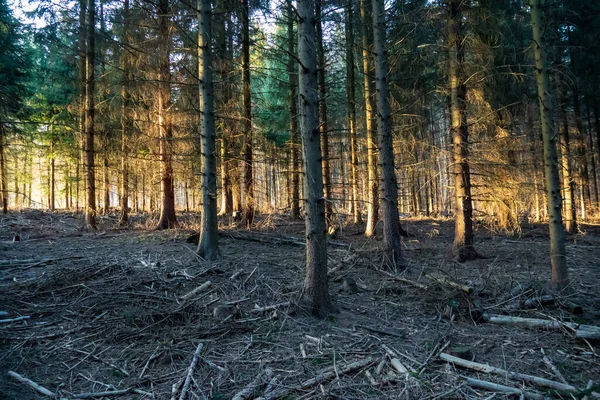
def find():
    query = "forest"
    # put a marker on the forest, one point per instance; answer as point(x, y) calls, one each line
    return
point(299, 199)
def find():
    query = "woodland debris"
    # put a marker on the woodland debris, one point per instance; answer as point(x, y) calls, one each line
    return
point(507, 374)
point(190, 371)
point(552, 367)
point(447, 282)
point(581, 331)
point(549, 299)
point(495, 387)
point(404, 280)
point(93, 395)
point(322, 377)
point(6, 321)
point(251, 389)
point(264, 238)
point(32, 384)
point(197, 290)
point(257, 309)
point(381, 331)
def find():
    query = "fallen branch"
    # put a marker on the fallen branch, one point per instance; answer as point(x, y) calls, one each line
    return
point(32, 384)
point(251, 388)
point(494, 387)
point(404, 280)
point(581, 331)
point(507, 374)
point(262, 238)
point(93, 395)
point(5, 321)
point(447, 282)
point(322, 377)
point(257, 309)
point(200, 288)
point(190, 371)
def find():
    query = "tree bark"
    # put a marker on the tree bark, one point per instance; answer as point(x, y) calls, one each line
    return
point(167, 217)
point(323, 126)
point(3, 180)
point(52, 176)
point(351, 114)
point(568, 182)
point(463, 229)
point(82, 98)
point(557, 239)
point(90, 215)
point(372, 187)
point(208, 245)
point(293, 82)
point(389, 185)
point(126, 120)
point(249, 201)
point(315, 285)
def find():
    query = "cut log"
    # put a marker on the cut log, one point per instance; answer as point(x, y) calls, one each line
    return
point(494, 387)
point(589, 332)
point(507, 374)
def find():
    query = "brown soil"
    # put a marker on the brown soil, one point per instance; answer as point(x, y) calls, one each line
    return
point(107, 311)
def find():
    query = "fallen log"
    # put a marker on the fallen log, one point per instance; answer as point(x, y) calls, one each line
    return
point(507, 374)
point(495, 387)
point(581, 331)
point(38, 388)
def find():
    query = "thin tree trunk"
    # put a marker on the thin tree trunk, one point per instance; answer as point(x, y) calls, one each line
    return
point(3, 180)
point(592, 157)
point(568, 183)
point(323, 126)
point(351, 114)
point(126, 120)
point(583, 171)
point(249, 200)
point(293, 82)
point(167, 217)
point(90, 215)
point(389, 185)
point(208, 246)
point(52, 177)
point(557, 239)
point(372, 187)
point(316, 289)
point(463, 230)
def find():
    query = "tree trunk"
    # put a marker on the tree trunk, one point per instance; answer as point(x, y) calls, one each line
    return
point(323, 126)
point(582, 163)
point(52, 177)
point(315, 285)
point(389, 185)
point(557, 239)
point(568, 183)
point(82, 98)
point(351, 114)
point(126, 120)
point(249, 201)
point(463, 230)
point(367, 44)
point(592, 157)
point(167, 217)
point(90, 215)
point(3, 181)
point(293, 81)
point(208, 246)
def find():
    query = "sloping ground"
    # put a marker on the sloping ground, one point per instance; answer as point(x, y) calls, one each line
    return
point(125, 310)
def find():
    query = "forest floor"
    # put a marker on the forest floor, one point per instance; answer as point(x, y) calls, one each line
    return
point(117, 311)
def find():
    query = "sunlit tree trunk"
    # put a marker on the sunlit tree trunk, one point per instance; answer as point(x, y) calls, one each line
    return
point(351, 114)
point(82, 88)
point(90, 214)
point(570, 211)
point(316, 289)
point(208, 246)
point(582, 163)
point(293, 82)
point(369, 72)
point(389, 184)
point(463, 230)
point(3, 180)
point(249, 200)
point(557, 238)
point(167, 217)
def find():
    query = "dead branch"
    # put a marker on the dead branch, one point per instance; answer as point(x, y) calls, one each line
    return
point(32, 384)
point(581, 331)
point(495, 387)
point(447, 282)
point(190, 371)
point(251, 388)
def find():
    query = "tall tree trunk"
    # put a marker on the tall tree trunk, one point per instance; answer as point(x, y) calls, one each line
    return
point(557, 238)
point(293, 82)
point(52, 176)
point(369, 72)
point(167, 216)
point(323, 126)
point(249, 201)
point(568, 182)
point(3, 180)
point(82, 98)
point(592, 156)
point(208, 246)
point(582, 163)
point(126, 119)
point(315, 284)
point(90, 215)
point(351, 114)
point(389, 185)
point(463, 230)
